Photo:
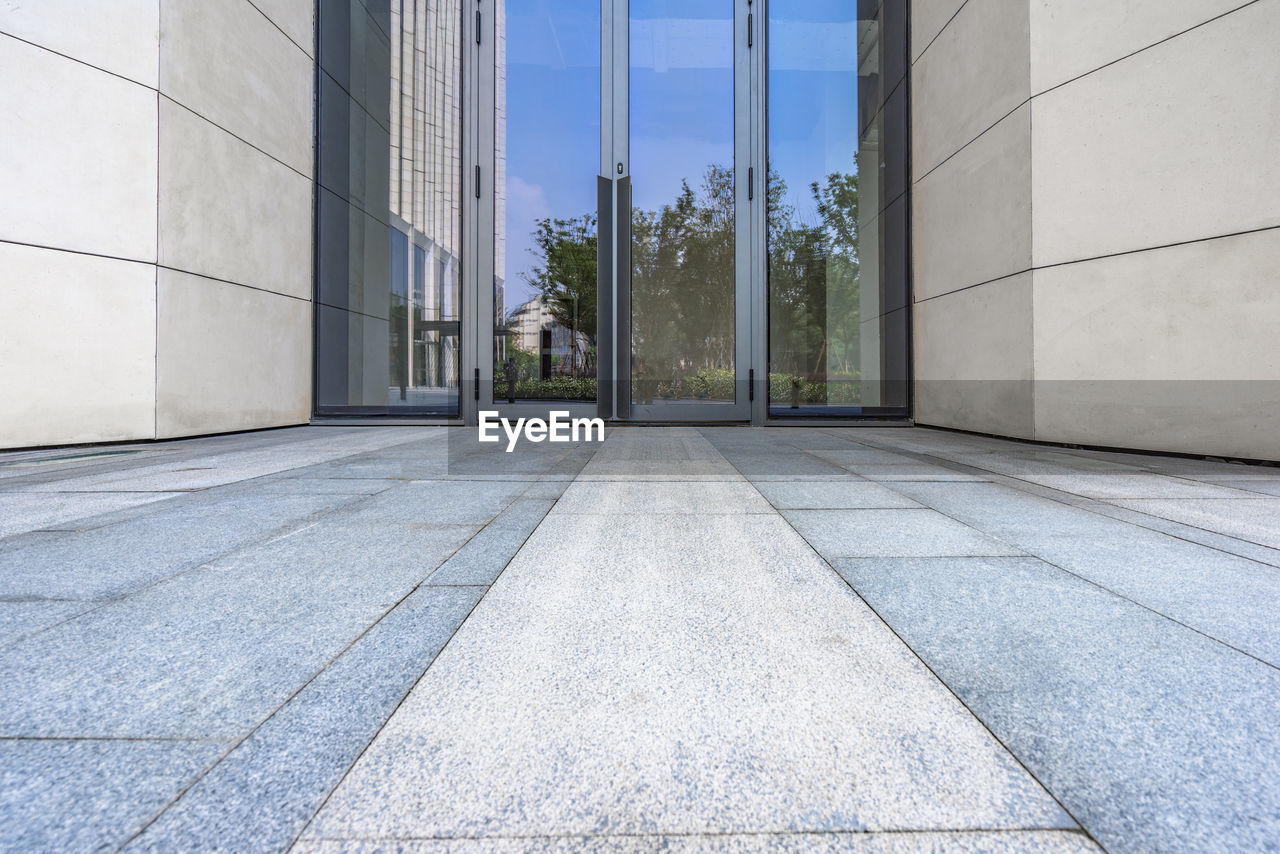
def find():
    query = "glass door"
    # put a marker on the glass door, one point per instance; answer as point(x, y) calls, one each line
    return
point(622, 293)
point(684, 225)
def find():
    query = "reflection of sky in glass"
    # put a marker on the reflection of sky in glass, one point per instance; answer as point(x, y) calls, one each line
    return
point(682, 105)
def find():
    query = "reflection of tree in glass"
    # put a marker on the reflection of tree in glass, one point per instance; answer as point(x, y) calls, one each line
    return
point(682, 304)
point(814, 315)
point(566, 279)
point(683, 285)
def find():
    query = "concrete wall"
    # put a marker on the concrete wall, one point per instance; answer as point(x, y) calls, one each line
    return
point(1096, 225)
point(155, 236)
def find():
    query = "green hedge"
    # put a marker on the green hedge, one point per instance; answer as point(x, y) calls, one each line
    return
point(716, 384)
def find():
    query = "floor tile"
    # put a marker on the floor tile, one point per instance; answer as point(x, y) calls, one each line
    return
point(892, 533)
point(1249, 518)
point(210, 653)
point(677, 674)
point(1155, 737)
point(831, 495)
point(261, 795)
point(89, 795)
point(602, 498)
point(975, 842)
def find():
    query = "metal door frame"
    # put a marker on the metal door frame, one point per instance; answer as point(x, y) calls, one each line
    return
point(614, 192)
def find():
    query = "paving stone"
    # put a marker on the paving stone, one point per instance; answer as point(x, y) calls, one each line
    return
point(974, 842)
point(677, 674)
point(1228, 597)
point(487, 553)
point(612, 498)
point(261, 795)
point(438, 502)
point(1154, 736)
point(892, 533)
point(209, 653)
point(31, 511)
point(1263, 485)
point(115, 559)
point(19, 619)
point(89, 795)
point(1250, 518)
point(831, 495)
point(913, 472)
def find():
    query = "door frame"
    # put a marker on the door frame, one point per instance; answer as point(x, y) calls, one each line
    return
point(613, 190)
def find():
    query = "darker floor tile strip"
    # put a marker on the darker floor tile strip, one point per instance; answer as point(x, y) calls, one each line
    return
point(262, 794)
point(486, 554)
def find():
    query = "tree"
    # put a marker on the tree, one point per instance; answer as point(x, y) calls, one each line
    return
point(566, 279)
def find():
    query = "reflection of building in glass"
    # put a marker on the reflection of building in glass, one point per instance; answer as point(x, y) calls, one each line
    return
point(533, 329)
point(426, 218)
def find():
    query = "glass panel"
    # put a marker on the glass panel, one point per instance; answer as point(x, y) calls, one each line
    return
point(389, 236)
point(548, 135)
point(836, 230)
point(682, 226)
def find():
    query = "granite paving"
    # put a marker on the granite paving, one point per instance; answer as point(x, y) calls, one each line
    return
point(721, 639)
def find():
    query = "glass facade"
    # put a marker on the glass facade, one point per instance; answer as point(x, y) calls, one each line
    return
point(547, 96)
point(644, 183)
point(388, 196)
point(683, 216)
point(837, 208)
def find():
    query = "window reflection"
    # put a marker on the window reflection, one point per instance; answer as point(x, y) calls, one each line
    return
point(389, 242)
point(548, 135)
point(837, 299)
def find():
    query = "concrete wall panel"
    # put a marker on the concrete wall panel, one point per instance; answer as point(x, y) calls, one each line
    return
point(973, 358)
point(972, 216)
point(1073, 37)
point(1179, 142)
point(119, 36)
point(250, 79)
point(78, 163)
point(77, 353)
point(229, 211)
point(976, 72)
point(229, 357)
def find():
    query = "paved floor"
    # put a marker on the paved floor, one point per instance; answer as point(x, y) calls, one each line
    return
point(726, 639)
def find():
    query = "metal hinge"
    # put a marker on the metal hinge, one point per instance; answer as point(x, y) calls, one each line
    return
point(477, 26)
point(751, 384)
point(749, 28)
point(477, 181)
point(751, 183)
point(477, 391)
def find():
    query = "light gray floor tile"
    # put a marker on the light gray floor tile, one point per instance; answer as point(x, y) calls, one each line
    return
point(975, 842)
point(1154, 736)
point(1249, 518)
point(677, 674)
point(861, 455)
point(892, 533)
point(831, 495)
point(30, 511)
point(1228, 597)
point(89, 795)
point(116, 559)
point(1132, 485)
point(763, 463)
point(19, 619)
point(604, 498)
point(913, 472)
point(211, 652)
point(1263, 485)
point(435, 502)
point(262, 794)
